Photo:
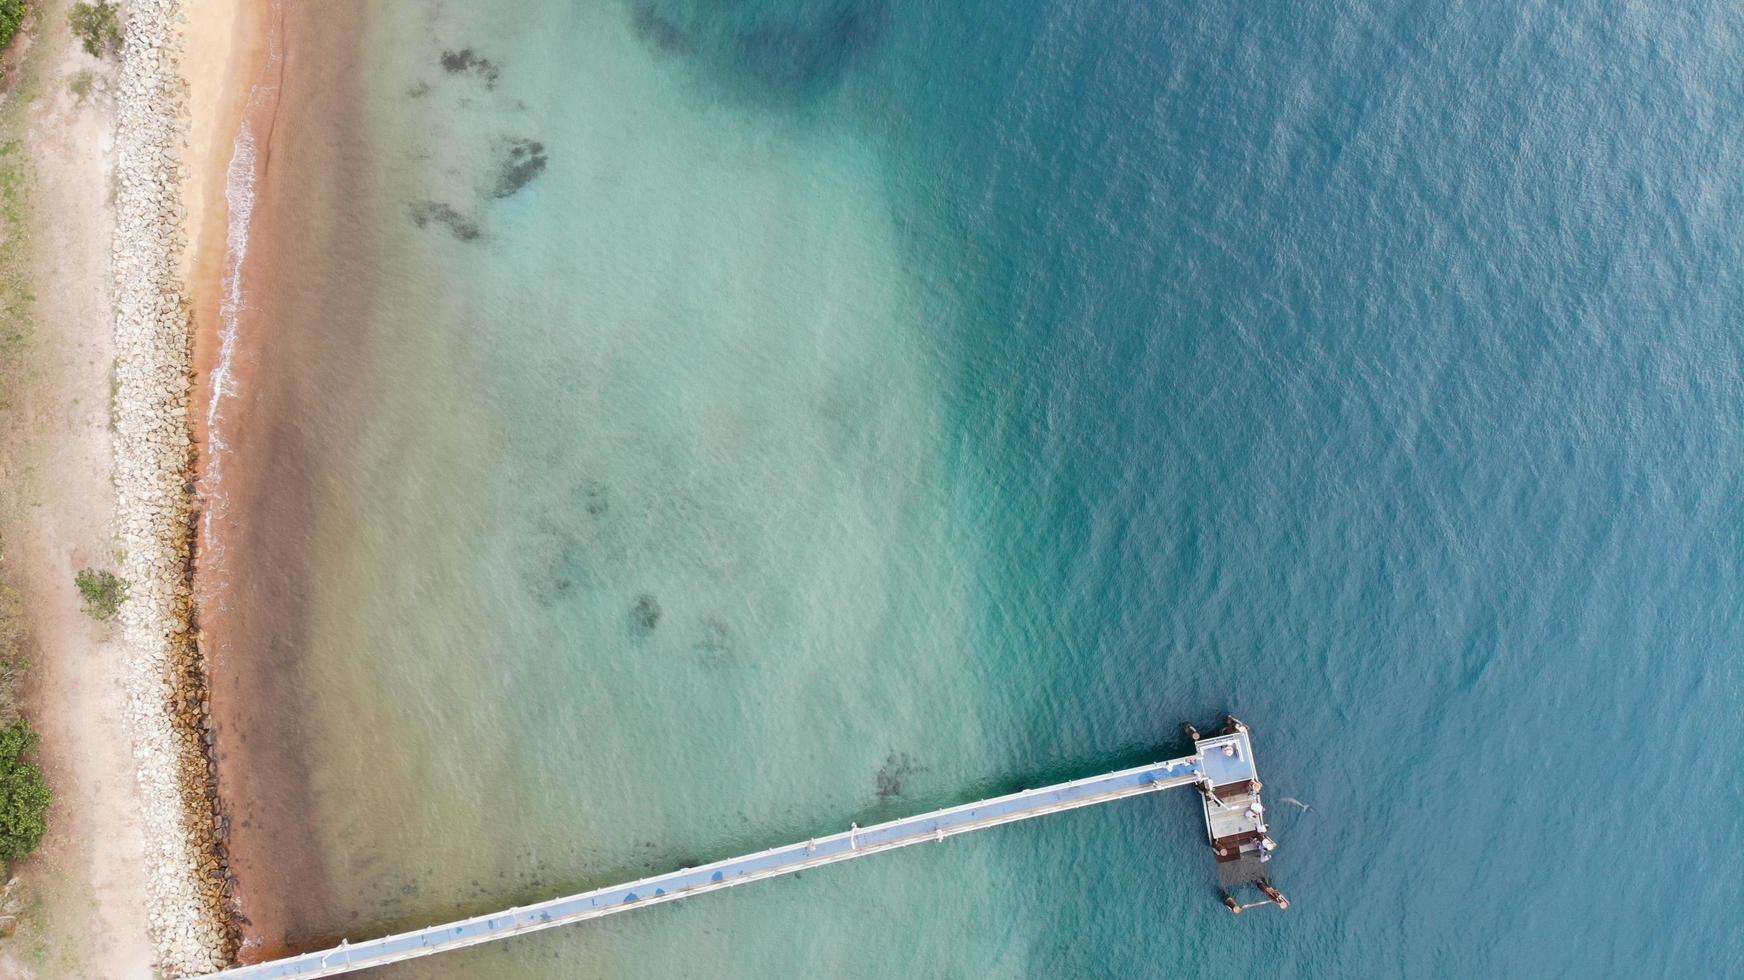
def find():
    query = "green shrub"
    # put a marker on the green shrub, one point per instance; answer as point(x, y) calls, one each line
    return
point(24, 797)
point(103, 592)
point(11, 15)
point(96, 25)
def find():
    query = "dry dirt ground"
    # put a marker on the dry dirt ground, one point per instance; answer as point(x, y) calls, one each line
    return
point(84, 891)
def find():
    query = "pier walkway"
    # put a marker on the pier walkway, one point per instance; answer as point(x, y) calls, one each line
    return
point(685, 882)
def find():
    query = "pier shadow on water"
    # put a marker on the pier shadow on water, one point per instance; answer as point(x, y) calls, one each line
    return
point(889, 797)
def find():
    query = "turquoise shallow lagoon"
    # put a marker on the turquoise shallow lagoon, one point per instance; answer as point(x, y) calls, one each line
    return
point(694, 426)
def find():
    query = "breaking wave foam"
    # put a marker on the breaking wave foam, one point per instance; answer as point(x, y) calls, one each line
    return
point(240, 180)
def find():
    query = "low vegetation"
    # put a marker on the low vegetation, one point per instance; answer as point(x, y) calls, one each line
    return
point(97, 26)
point(12, 659)
point(16, 293)
point(103, 593)
point(80, 84)
point(11, 15)
point(24, 797)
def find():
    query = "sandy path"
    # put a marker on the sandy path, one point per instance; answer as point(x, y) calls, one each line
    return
point(87, 883)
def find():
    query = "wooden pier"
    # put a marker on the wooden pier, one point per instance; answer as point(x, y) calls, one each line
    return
point(1212, 773)
point(1235, 818)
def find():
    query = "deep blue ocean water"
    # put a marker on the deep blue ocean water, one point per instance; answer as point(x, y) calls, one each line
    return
point(871, 403)
point(1373, 369)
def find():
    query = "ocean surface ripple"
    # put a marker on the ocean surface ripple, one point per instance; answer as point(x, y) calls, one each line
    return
point(754, 417)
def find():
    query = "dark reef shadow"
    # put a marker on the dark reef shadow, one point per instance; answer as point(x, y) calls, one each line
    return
point(466, 62)
point(436, 212)
point(524, 161)
point(663, 34)
point(792, 54)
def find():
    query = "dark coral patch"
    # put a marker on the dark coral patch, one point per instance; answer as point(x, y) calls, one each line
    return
point(595, 501)
point(435, 212)
point(894, 774)
point(465, 61)
point(526, 160)
point(644, 615)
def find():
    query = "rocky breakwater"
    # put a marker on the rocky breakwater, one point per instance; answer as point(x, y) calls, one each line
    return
point(164, 675)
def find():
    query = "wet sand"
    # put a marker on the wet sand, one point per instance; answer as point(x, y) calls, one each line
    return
point(226, 63)
point(258, 498)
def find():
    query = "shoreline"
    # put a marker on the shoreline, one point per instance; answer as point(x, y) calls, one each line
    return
point(255, 480)
point(230, 99)
point(163, 213)
point(230, 248)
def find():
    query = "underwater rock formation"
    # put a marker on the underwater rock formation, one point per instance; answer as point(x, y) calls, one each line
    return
point(465, 61)
point(462, 227)
point(525, 160)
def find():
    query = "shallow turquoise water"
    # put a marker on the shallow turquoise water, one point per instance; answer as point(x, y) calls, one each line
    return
point(783, 413)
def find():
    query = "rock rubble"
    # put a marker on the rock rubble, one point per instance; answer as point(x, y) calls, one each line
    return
point(164, 674)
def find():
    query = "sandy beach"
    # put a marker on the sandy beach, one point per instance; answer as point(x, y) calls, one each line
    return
point(226, 94)
point(227, 50)
point(90, 891)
